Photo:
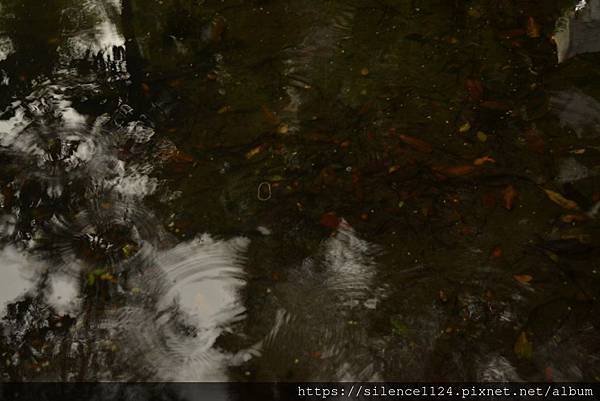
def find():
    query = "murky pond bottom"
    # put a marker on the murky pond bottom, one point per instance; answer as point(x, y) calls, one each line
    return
point(299, 191)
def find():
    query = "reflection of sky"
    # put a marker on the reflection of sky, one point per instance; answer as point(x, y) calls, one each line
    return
point(101, 36)
point(17, 275)
point(6, 47)
point(20, 274)
point(578, 31)
point(581, 5)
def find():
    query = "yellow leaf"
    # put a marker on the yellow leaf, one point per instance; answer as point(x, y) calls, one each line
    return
point(523, 278)
point(561, 200)
point(393, 169)
point(283, 129)
point(465, 127)
point(254, 151)
point(523, 347)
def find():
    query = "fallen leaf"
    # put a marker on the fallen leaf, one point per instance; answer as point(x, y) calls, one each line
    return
point(455, 171)
point(482, 160)
point(523, 278)
point(269, 116)
point(533, 28)
point(561, 200)
point(482, 136)
point(548, 374)
point(475, 89)
point(572, 218)
point(393, 169)
point(224, 109)
point(416, 143)
point(464, 128)
point(399, 327)
point(330, 220)
point(509, 195)
point(254, 151)
point(128, 250)
point(496, 253)
point(513, 33)
point(535, 142)
point(364, 72)
point(494, 105)
point(488, 200)
point(217, 29)
point(283, 129)
point(523, 347)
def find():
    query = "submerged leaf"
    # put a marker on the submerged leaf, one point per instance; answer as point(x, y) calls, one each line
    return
point(561, 200)
point(482, 160)
point(475, 89)
point(398, 327)
point(330, 220)
point(509, 195)
point(455, 171)
point(416, 143)
point(533, 28)
point(465, 127)
point(523, 278)
point(523, 347)
point(254, 151)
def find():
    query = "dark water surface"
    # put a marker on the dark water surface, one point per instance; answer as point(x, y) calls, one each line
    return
point(198, 190)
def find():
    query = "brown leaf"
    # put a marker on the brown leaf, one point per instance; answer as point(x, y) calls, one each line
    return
point(482, 160)
point(269, 116)
point(533, 28)
point(217, 28)
point(254, 151)
point(224, 109)
point(494, 105)
point(393, 169)
point(416, 143)
point(509, 196)
point(283, 129)
point(561, 200)
point(455, 171)
point(489, 200)
point(523, 278)
point(572, 218)
point(535, 142)
point(513, 33)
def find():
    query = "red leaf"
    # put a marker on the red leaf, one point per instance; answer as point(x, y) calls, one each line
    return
point(496, 253)
point(535, 142)
point(475, 89)
point(330, 220)
point(494, 105)
point(455, 171)
point(416, 143)
point(509, 195)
